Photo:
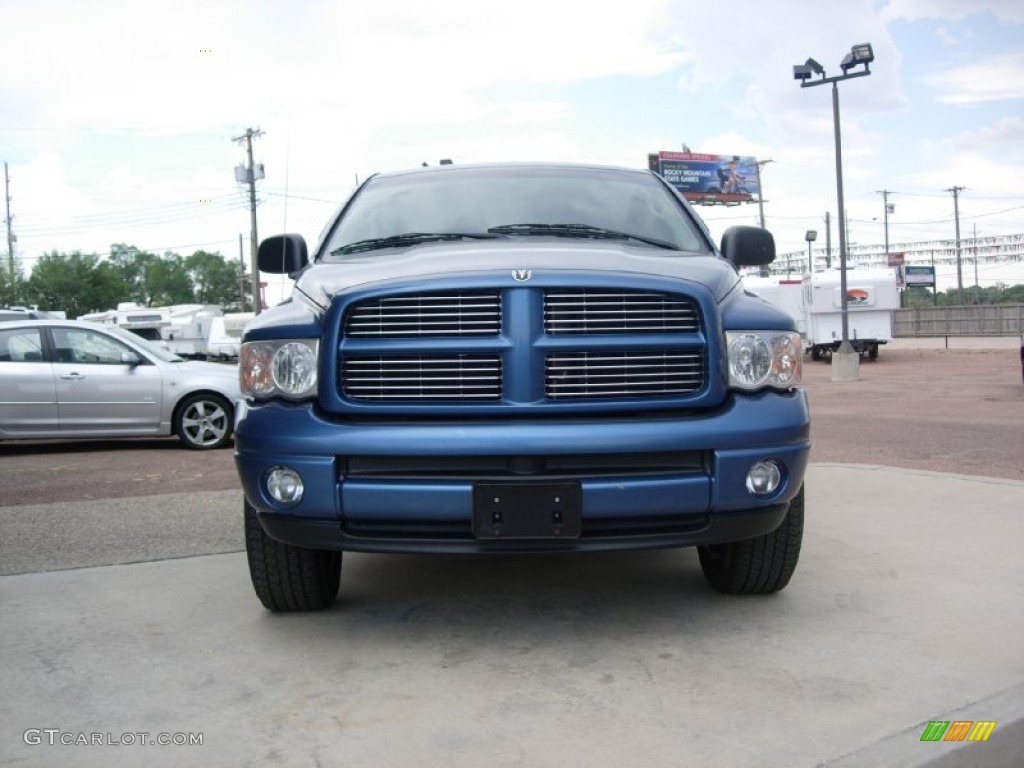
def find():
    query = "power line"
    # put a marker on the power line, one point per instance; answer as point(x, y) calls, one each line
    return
point(77, 224)
point(291, 196)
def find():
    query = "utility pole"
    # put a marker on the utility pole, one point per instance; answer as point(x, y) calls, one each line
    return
point(249, 175)
point(241, 275)
point(9, 220)
point(974, 243)
point(959, 268)
point(889, 208)
point(760, 189)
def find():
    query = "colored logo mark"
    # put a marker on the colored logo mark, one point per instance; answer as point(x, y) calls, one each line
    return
point(958, 730)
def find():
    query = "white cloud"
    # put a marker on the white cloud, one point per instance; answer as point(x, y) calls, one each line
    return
point(953, 10)
point(345, 89)
point(1002, 136)
point(997, 78)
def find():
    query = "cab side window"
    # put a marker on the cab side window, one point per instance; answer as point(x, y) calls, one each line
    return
point(21, 345)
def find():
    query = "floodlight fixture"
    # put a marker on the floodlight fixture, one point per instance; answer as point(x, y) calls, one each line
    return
point(863, 53)
point(810, 236)
point(815, 66)
point(801, 72)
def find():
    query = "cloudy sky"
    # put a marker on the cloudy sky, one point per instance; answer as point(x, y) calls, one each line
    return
point(117, 117)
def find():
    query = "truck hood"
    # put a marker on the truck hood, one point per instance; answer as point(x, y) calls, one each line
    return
point(325, 280)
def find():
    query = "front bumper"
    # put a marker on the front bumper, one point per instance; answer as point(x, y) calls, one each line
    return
point(704, 500)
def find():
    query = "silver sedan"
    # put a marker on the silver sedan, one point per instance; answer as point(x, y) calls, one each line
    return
point(67, 379)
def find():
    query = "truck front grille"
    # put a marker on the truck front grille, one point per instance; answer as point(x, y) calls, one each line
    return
point(444, 378)
point(586, 310)
point(566, 348)
point(451, 313)
point(622, 374)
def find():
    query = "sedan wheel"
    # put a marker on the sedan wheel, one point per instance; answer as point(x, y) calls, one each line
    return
point(204, 421)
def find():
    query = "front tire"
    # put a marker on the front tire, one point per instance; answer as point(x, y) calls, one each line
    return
point(204, 421)
point(760, 565)
point(288, 578)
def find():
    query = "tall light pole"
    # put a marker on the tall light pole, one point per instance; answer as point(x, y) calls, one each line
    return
point(810, 236)
point(845, 363)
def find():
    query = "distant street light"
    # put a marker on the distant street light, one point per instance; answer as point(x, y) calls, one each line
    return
point(845, 361)
point(810, 237)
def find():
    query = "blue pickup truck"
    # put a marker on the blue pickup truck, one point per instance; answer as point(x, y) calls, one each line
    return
point(519, 358)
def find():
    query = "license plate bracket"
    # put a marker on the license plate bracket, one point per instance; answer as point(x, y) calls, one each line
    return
point(527, 510)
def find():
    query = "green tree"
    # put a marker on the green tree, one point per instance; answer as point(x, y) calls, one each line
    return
point(131, 264)
point(12, 286)
point(214, 280)
point(166, 282)
point(76, 283)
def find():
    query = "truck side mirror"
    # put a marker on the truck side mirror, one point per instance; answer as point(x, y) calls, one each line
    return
point(748, 246)
point(282, 254)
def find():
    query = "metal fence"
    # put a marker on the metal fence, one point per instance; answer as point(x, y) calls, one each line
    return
point(979, 320)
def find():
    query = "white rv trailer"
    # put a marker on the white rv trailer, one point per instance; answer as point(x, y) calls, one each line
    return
point(188, 332)
point(226, 335)
point(785, 293)
point(815, 304)
point(872, 295)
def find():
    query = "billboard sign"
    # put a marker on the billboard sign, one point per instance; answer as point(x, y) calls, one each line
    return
point(922, 276)
point(711, 179)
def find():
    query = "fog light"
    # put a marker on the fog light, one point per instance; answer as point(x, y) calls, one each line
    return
point(764, 478)
point(285, 485)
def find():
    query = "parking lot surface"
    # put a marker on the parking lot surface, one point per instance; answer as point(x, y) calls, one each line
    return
point(133, 613)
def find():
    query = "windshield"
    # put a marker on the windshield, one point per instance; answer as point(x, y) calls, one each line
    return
point(514, 201)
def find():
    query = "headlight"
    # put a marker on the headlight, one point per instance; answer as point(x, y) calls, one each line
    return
point(279, 368)
point(759, 359)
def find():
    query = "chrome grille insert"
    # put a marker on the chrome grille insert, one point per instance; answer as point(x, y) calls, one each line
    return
point(408, 378)
point(627, 373)
point(455, 313)
point(591, 311)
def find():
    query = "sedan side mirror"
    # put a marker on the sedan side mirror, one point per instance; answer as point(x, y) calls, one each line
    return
point(131, 359)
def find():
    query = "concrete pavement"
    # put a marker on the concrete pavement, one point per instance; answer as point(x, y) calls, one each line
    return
point(906, 608)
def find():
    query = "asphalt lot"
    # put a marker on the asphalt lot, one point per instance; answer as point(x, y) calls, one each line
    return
point(129, 610)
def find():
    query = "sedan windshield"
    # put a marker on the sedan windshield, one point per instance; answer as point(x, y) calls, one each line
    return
point(152, 349)
point(464, 204)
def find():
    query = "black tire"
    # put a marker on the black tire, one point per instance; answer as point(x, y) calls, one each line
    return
point(815, 352)
point(873, 352)
point(761, 565)
point(288, 578)
point(204, 421)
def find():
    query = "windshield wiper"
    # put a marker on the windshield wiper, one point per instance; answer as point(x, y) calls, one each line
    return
point(409, 238)
point(578, 230)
